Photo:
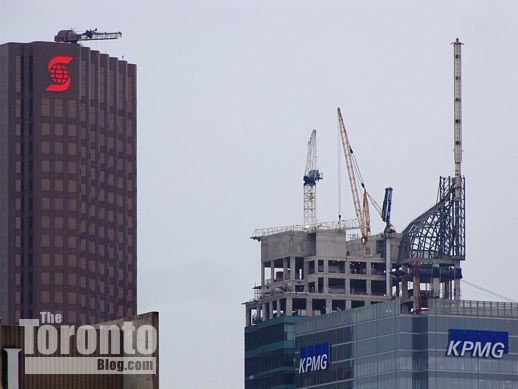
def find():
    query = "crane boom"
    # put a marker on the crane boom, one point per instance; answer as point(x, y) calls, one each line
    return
point(70, 36)
point(352, 178)
point(311, 176)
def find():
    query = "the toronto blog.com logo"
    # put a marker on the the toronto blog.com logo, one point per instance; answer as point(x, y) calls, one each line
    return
point(53, 348)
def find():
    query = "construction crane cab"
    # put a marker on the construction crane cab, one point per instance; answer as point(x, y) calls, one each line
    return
point(312, 177)
point(70, 36)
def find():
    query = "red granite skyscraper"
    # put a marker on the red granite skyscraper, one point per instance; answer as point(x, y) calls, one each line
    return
point(67, 183)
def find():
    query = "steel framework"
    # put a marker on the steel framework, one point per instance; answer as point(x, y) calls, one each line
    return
point(439, 233)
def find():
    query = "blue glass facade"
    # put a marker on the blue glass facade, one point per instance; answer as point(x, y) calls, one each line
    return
point(269, 351)
point(377, 346)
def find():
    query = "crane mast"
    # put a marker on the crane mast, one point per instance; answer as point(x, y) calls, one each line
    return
point(364, 228)
point(311, 176)
point(457, 114)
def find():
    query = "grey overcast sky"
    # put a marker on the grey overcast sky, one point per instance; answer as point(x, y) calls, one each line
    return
point(228, 93)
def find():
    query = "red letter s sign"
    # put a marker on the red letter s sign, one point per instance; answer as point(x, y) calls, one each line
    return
point(59, 74)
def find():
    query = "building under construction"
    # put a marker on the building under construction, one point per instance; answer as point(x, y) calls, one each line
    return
point(327, 269)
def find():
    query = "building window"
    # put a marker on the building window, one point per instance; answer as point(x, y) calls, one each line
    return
point(58, 241)
point(72, 221)
point(45, 203)
point(72, 298)
point(72, 109)
point(58, 129)
point(45, 184)
point(58, 108)
point(58, 204)
point(45, 297)
point(45, 166)
point(58, 222)
point(45, 278)
point(72, 148)
point(58, 278)
point(72, 242)
point(45, 222)
point(45, 129)
point(45, 147)
point(45, 259)
point(45, 107)
point(58, 297)
point(58, 187)
point(58, 260)
point(45, 241)
point(72, 167)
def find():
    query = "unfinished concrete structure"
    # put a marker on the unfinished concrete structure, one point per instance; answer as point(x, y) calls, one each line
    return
point(315, 269)
point(308, 273)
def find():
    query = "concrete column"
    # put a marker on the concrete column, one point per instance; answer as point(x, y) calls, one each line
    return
point(306, 273)
point(285, 268)
point(447, 290)
point(325, 277)
point(456, 284)
point(326, 283)
point(270, 310)
point(263, 281)
point(264, 312)
point(289, 306)
point(292, 268)
point(369, 287)
point(436, 287)
point(348, 304)
point(388, 268)
point(278, 305)
point(309, 306)
point(248, 316)
point(329, 306)
point(347, 286)
point(404, 284)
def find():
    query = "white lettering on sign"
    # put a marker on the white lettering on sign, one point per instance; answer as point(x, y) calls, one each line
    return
point(476, 349)
point(13, 369)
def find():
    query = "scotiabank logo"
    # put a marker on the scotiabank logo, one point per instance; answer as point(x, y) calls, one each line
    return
point(59, 74)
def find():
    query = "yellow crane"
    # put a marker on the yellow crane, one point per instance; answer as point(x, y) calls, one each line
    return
point(361, 210)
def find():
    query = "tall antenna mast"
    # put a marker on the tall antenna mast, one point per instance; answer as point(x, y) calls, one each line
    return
point(457, 114)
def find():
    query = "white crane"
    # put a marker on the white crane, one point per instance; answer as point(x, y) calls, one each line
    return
point(311, 176)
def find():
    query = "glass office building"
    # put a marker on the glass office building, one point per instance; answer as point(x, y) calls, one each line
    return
point(452, 344)
point(269, 351)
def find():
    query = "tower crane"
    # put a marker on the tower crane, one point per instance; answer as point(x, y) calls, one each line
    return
point(311, 176)
point(353, 170)
point(70, 36)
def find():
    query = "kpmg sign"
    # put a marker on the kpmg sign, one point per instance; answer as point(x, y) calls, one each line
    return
point(480, 344)
point(314, 358)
